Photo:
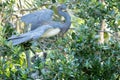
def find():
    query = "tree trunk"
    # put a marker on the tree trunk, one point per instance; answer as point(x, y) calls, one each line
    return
point(103, 26)
point(101, 40)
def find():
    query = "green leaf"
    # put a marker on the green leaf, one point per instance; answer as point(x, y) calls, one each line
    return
point(61, 1)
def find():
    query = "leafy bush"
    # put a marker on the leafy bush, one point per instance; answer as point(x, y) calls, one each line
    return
point(83, 60)
point(75, 56)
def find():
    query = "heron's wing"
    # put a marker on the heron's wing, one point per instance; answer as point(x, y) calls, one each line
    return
point(37, 18)
point(34, 34)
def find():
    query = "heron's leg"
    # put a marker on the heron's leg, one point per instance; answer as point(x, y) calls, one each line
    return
point(28, 60)
point(32, 51)
point(43, 48)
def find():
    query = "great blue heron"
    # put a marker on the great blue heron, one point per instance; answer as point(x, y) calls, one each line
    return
point(42, 25)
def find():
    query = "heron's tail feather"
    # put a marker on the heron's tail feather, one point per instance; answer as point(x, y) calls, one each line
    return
point(14, 37)
point(34, 34)
point(19, 39)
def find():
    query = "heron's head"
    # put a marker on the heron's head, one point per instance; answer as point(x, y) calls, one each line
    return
point(62, 7)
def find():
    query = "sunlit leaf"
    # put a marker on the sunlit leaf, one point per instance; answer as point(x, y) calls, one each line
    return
point(61, 1)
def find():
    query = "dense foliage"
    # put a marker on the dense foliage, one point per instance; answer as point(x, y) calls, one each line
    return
point(77, 55)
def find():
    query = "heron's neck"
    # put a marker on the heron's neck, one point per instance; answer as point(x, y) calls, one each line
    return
point(66, 16)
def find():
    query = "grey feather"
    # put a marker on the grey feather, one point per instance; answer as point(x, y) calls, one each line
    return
point(20, 40)
point(37, 18)
point(32, 35)
point(42, 25)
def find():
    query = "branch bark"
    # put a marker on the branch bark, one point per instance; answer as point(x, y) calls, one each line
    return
point(103, 24)
point(101, 40)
